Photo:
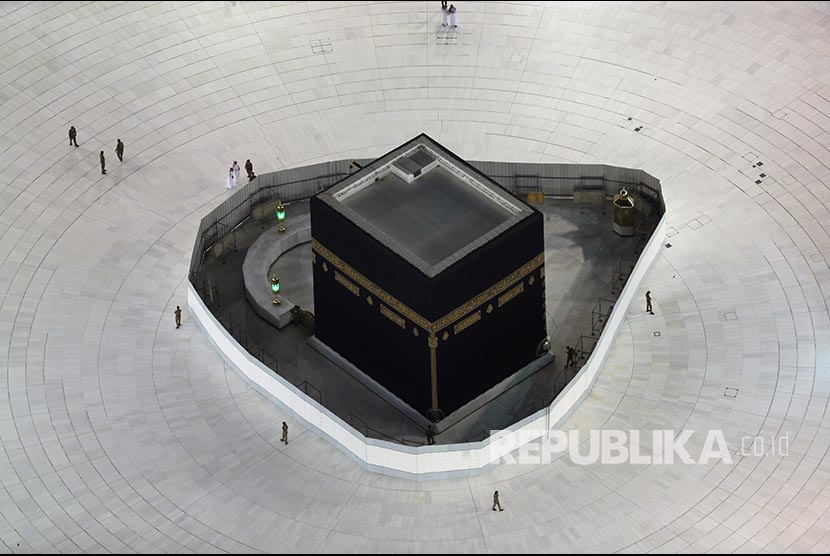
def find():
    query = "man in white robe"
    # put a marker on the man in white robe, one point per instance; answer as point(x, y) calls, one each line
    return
point(236, 171)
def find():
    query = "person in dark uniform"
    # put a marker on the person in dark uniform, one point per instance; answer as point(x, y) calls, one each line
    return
point(249, 167)
point(73, 136)
point(570, 356)
point(119, 150)
point(430, 435)
point(496, 501)
point(284, 433)
point(648, 302)
point(103, 164)
point(178, 313)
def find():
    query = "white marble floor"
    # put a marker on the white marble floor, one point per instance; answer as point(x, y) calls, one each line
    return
point(121, 433)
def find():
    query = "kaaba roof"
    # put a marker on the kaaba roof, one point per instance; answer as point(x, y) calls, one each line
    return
point(426, 204)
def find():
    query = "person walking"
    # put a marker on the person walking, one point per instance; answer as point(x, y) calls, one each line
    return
point(496, 502)
point(73, 136)
point(648, 303)
point(570, 356)
point(178, 314)
point(236, 173)
point(103, 164)
point(249, 168)
point(230, 179)
point(452, 16)
point(284, 433)
point(119, 150)
point(443, 13)
point(430, 435)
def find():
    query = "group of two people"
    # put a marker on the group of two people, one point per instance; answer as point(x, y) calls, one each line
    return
point(447, 11)
point(233, 173)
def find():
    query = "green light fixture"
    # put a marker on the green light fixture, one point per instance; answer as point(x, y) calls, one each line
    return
point(281, 217)
point(275, 289)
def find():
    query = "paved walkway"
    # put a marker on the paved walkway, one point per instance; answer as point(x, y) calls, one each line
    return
point(120, 433)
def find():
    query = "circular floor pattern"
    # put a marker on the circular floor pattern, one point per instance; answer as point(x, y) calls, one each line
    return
point(121, 433)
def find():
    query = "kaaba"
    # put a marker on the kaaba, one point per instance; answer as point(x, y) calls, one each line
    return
point(428, 276)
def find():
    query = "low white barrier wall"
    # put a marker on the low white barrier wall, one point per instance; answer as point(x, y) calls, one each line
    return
point(429, 462)
point(259, 258)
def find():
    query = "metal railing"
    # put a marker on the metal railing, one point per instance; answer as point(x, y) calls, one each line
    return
point(361, 426)
point(477, 437)
point(305, 386)
point(619, 276)
point(600, 313)
point(585, 346)
point(293, 185)
point(286, 185)
point(298, 184)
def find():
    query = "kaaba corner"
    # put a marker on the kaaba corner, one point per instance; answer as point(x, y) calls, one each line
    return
point(428, 276)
